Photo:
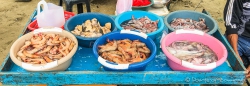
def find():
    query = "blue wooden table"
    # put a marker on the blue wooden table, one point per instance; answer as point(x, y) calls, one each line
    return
point(85, 69)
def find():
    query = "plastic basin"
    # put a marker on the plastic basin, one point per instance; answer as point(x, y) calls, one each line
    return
point(209, 21)
point(138, 14)
point(59, 65)
point(197, 36)
point(125, 34)
point(81, 18)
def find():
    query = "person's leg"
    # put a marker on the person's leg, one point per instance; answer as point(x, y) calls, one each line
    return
point(243, 43)
point(244, 49)
point(240, 46)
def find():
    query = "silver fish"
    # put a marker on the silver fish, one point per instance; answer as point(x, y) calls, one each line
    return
point(184, 54)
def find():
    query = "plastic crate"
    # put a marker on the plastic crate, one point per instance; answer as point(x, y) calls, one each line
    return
point(33, 25)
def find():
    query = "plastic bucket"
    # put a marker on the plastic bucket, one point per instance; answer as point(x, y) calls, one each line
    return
point(125, 34)
point(209, 21)
point(81, 18)
point(138, 14)
point(197, 36)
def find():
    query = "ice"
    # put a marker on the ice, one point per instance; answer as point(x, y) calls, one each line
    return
point(162, 65)
point(79, 48)
point(161, 56)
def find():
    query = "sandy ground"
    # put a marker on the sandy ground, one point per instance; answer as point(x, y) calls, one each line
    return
point(14, 15)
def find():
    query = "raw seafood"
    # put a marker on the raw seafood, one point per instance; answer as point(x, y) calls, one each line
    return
point(192, 52)
point(124, 51)
point(179, 23)
point(143, 24)
point(45, 48)
point(92, 28)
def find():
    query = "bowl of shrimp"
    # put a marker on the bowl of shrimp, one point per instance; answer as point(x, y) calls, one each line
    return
point(44, 49)
point(124, 50)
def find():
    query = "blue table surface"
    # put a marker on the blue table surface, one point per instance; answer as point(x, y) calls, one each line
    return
point(84, 60)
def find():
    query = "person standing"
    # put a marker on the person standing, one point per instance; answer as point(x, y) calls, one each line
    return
point(236, 17)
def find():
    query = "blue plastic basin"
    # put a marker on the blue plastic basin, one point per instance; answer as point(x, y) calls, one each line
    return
point(81, 18)
point(209, 21)
point(119, 35)
point(138, 14)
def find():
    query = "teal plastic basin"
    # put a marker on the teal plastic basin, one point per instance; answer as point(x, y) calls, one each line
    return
point(209, 21)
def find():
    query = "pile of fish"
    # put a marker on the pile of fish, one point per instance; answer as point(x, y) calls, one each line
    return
point(143, 24)
point(45, 48)
point(193, 52)
point(179, 23)
point(92, 28)
point(124, 51)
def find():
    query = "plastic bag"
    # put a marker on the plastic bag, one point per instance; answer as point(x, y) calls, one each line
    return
point(51, 16)
point(123, 6)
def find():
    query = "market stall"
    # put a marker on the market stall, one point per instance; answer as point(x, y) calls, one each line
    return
point(86, 69)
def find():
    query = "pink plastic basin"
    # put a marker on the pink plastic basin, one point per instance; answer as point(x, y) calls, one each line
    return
point(197, 36)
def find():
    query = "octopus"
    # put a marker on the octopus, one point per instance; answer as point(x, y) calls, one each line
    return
point(179, 23)
point(124, 51)
point(45, 48)
point(143, 24)
point(92, 28)
point(193, 52)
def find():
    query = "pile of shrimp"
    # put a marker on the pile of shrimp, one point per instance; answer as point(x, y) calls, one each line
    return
point(124, 51)
point(45, 48)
